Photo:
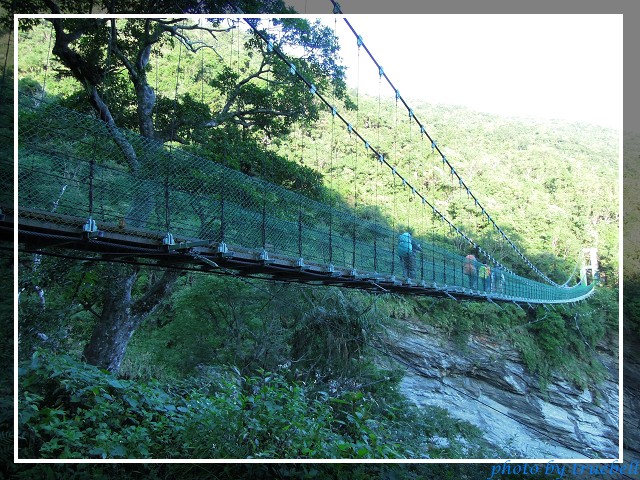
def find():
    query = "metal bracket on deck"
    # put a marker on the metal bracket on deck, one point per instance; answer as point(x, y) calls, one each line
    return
point(264, 257)
point(331, 270)
point(168, 239)
point(353, 273)
point(223, 250)
point(90, 229)
point(301, 265)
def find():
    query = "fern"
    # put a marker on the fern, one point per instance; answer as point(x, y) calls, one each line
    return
point(6, 444)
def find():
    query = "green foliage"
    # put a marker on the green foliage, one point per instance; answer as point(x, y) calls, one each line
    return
point(69, 409)
point(551, 335)
point(263, 417)
point(56, 301)
point(220, 80)
point(214, 320)
point(565, 341)
point(308, 385)
point(72, 410)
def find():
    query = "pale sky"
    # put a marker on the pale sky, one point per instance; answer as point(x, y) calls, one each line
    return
point(550, 66)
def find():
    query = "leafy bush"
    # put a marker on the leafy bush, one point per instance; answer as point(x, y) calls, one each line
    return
point(72, 410)
point(69, 409)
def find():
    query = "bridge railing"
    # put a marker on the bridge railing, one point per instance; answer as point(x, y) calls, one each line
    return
point(74, 166)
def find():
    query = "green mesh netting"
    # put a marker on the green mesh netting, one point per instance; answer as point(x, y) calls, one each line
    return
point(72, 165)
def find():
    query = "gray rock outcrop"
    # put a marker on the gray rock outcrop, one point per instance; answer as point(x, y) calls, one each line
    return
point(487, 385)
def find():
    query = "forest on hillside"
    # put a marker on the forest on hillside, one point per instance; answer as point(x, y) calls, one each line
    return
point(229, 367)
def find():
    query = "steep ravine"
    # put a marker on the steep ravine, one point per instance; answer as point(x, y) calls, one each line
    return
point(477, 381)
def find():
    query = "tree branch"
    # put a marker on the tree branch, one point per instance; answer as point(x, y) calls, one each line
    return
point(150, 301)
point(89, 308)
point(55, 9)
point(105, 115)
point(235, 92)
point(113, 44)
point(243, 117)
point(82, 71)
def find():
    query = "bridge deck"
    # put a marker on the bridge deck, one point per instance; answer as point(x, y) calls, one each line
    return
point(70, 169)
point(43, 230)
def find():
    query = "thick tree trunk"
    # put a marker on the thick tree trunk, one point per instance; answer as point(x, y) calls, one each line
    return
point(115, 327)
point(146, 103)
point(122, 315)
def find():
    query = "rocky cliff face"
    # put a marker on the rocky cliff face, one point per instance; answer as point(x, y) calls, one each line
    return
point(631, 383)
point(481, 382)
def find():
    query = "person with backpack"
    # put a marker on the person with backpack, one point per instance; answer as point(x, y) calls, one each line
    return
point(415, 248)
point(485, 275)
point(407, 248)
point(469, 269)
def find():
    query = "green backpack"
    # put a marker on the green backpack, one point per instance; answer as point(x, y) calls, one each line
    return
point(404, 243)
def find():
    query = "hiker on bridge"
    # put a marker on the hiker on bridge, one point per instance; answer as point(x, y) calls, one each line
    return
point(470, 270)
point(407, 248)
point(484, 273)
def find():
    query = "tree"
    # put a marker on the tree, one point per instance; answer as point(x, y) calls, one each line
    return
point(261, 96)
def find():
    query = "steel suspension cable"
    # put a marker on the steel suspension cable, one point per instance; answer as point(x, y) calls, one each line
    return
point(201, 61)
point(355, 162)
point(447, 162)
point(46, 69)
point(425, 230)
point(413, 192)
point(396, 227)
point(111, 42)
point(238, 51)
point(300, 200)
point(302, 135)
point(431, 190)
point(231, 22)
point(378, 164)
point(172, 138)
point(331, 193)
point(253, 24)
point(368, 146)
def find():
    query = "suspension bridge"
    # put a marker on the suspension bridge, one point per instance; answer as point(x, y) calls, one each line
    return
point(77, 190)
